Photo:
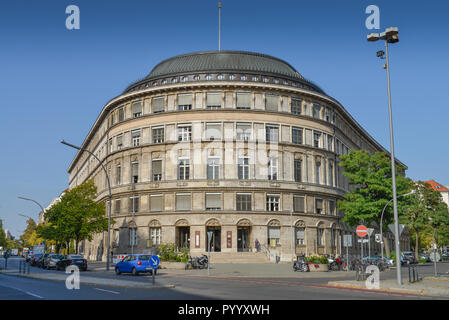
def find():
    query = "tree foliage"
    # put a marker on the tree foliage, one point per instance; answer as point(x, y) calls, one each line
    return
point(371, 188)
point(2, 235)
point(28, 232)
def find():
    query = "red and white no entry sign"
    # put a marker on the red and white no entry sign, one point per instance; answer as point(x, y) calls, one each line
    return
point(361, 231)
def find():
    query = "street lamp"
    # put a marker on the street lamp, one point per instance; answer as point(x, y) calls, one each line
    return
point(381, 217)
point(110, 198)
point(390, 35)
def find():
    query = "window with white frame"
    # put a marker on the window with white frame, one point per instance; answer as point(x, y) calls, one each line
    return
point(319, 205)
point(183, 169)
point(213, 131)
point(213, 165)
point(317, 172)
point(184, 133)
point(132, 236)
point(243, 168)
point(116, 237)
point(272, 133)
point(118, 175)
point(119, 141)
point(331, 174)
point(213, 100)
point(111, 149)
point(272, 168)
point(156, 168)
point(316, 139)
point(135, 136)
point(243, 131)
point(243, 202)
point(155, 235)
point(299, 236)
point(158, 104)
point(319, 235)
point(296, 106)
point(158, 134)
point(274, 235)
point(330, 140)
point(121, 114)
point(137, 109)
point(297, 135)
point(134, 204)
point(185, 101)
point(328, 114)
point(213, 201)
point(243, 100)
point(273, 202)
point(316, 110)
point(297, 167)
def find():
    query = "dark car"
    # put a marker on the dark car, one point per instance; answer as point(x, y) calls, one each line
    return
point(34, 258)
point(41, 260)
point(409, 257)
point(72, 259)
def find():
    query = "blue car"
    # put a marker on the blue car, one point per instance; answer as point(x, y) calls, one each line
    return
point(135, 263)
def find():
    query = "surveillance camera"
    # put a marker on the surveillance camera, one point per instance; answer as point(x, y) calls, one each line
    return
point(380, 53)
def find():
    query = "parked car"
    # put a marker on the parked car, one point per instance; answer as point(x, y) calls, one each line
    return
point(424, 256)
point(135, 263)
point(34, 258)
point(72, 259)
point(40, 261)
point(390, 262)
point(51, 260)
point(408, 257)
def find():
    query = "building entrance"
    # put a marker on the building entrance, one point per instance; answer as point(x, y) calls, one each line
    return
point(183, 237)
point(243, 241)
point(216, 239)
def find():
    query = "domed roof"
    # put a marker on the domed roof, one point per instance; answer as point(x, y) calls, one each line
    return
point(223, 61)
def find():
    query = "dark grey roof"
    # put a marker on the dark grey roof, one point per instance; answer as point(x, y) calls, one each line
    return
point(224, 61)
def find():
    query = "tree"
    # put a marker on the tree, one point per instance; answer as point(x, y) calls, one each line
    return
point(439, 222)
point(76, 217)
point(25, 237)
point(2, 235)
point(370, 179)
point(416, 215)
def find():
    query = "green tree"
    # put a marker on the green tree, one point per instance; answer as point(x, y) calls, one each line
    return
point(28, 232)
point(2, 235)
point(439, 222)
point(421, 206)
point(76, 217)
point(370, 181)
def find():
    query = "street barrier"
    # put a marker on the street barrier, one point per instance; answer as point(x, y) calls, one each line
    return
point(413, 275)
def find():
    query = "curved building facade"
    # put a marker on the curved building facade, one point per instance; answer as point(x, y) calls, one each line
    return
point(233, 143)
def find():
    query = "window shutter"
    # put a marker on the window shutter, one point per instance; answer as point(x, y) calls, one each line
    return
point(213, 200)
point(135, 169)
point(157, 167)
point(271, 103)
point(213, 99)
point(213, 131)
point(298, 204)
point(158, 104)
point(156, 203)
point(183, 202)
point(299, 233)
point(184, 99)
point(135, 133)
point(243, 100)
point(137, 107)
point(274, 232)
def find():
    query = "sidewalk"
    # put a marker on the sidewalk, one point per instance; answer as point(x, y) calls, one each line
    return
point(434, 286)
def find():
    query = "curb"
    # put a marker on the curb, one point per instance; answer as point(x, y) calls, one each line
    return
point(382, 290)
point(137, 285)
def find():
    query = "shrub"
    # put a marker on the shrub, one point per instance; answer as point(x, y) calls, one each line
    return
point(422, 261)
point(167, 252)
point(316, 259)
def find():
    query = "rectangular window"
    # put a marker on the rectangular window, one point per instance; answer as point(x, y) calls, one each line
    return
point(137, 109)
point(213, 201)
point(119, 141)
point(332, 207)
point(183, 169)
point(271, 102)
point(328, 115)
point(156, 202)
point(272, 133)
point(298, 170)
point(274, 236)
point(272, 168)
point(243, 168)
point(116, 237)
point(135, 136)
point(316, 139)
point(184, 101)
point(112, 119)
point(213, 131)
point(213, 100)
point(134, 204)
point(319, 235)
point(213, 165)
point(183, 202)
point(132, 236)
point(308, 134)
point(299, 236)
point(134, 172)
point(243, 100)
point(243, 131)
point(296, 106)
point(110, 146)
point(158, 135)
point(243, 202)
point(331, 174)
point(184, 133)
point(296, 135)
point(316, 110)
point(317, 172)
point(273, 202)
point(118, 175)
point(329, 142)
point(298, 203)
point(158, 104)
point(319, 205)
point(156, 167)
point(117, 206)
point(121, 114)
point(155, 236)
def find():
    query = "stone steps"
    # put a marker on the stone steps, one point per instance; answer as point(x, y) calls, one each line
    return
point(238, 257)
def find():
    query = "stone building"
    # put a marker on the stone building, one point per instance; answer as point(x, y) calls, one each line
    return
point(235, 143)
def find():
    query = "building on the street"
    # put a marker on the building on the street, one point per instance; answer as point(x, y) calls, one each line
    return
point(238, 144)
point(444, 191)
point(8, 234)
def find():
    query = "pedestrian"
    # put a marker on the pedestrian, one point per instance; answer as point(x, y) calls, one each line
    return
point(257, 245)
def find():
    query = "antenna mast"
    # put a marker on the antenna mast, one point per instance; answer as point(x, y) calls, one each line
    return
point(219, 25)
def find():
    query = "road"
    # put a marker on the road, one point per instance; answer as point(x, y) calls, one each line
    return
point(187, 288)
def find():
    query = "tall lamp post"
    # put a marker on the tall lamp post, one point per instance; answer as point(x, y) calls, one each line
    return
point(381, 218)
point(390, 35)
point(110, 198)
point(42, 208)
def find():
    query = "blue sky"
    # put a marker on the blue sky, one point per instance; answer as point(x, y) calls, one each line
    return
point(54, 82)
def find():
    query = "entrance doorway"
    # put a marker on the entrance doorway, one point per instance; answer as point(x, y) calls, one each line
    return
point(216, 239)
point(183, 237)
point(243, 242)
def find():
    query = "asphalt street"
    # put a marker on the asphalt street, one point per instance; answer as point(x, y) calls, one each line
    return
point(189, 287)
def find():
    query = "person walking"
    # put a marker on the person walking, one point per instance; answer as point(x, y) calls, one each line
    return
point(257, 245)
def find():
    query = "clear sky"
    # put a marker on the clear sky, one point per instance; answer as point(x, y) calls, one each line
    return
point(54, 81)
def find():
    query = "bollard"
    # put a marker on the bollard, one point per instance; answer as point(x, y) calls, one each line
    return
point(409, 276)
point(20, 266)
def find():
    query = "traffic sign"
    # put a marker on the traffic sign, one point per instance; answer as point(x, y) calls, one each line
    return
point(401, 228)
point(154, 261)
point(347, 240)
point(434, 255)
point(362, 241)
point(370, 231)
point(361, 231)
point(378, 238)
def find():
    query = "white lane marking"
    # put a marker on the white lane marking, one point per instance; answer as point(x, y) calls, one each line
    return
point(114, 292)
point(34, 295)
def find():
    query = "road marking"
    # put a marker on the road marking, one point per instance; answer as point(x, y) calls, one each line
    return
point(114, 292)
point(34, 295)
